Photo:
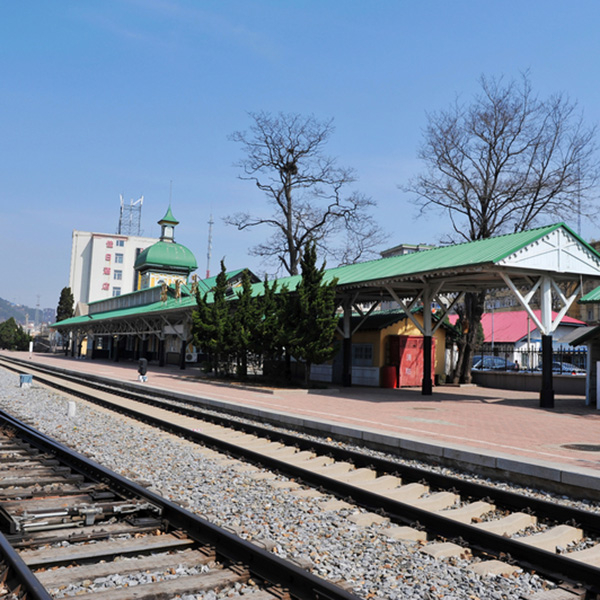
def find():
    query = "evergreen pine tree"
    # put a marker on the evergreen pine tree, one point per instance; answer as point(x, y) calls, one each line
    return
point(203, 329)
point(312, 312)
point(212, 324)
point(65, 308)
point(244, 324)
point(270, 336)
point(13, 336)
point(222, 321)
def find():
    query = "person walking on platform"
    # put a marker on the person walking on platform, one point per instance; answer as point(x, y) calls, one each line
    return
point(143, 369)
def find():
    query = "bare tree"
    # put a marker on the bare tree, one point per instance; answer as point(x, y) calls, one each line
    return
point(502, 163)
point(306, 190)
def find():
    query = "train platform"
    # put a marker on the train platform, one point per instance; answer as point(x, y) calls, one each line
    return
point(498, 430)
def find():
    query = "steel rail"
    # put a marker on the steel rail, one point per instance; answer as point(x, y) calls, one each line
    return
point(264, 565)
point(21, 572)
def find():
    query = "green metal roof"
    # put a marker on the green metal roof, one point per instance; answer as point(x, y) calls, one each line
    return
point(591, 297)
point(169, 218)
point(187, 301)
point(166, 255)
point(468, 254)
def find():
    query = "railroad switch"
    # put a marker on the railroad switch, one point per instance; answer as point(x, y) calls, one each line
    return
point(89, 513)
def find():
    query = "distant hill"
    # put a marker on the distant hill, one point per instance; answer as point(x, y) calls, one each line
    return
point(20, 312)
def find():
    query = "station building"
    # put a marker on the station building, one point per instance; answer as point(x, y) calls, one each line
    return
point(102, 265)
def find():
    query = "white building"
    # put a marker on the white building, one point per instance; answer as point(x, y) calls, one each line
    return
point(102, 265)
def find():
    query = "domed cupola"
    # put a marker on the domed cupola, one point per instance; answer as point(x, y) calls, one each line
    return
point(165, 261)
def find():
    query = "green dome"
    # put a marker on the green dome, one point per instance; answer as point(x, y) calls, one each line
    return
point(166, 256)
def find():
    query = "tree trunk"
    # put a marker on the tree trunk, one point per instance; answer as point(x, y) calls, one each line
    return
point(468, 342)
point(474, 304)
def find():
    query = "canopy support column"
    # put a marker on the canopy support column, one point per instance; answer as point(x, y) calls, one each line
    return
point(545, 324)
point(117, 348)
point(347, 345)
point(426, 384)
point(182, 354)
point(547, 391)
point(161, 352)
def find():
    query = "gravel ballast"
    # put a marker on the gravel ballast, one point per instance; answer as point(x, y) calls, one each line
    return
point(258, 506)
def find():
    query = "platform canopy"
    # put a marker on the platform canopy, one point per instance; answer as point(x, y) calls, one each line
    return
point(542, 259)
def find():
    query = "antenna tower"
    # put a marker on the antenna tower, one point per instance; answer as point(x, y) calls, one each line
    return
point(210, 224)
point(130, 217)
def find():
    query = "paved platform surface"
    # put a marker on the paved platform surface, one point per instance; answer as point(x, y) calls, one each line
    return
point(474, 419)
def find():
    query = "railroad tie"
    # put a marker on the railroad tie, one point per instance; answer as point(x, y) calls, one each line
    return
point(308, 493)
point(211, 581)
point(282, 453)
point(561, 535)
point(466, 514)
point(508, 525)
point(446, 550)
point(285, 485)
point(366, 519)
point(297, 458)
point(336, 504)
point(50, 556)
point(74, 575)
point(358, 476)
point(406, 534)
point(590, 556)
point(494, 567)
point(313, 463)
point(383, 483)
point(436, 502)
point(406, 493)
point(334, 469)
point(554, 594)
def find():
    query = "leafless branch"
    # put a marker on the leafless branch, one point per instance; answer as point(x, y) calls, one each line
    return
point(306, 190)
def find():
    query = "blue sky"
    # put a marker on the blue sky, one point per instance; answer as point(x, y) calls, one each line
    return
point(106, 97)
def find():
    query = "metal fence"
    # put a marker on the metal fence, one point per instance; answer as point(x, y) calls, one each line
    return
point(565, 360)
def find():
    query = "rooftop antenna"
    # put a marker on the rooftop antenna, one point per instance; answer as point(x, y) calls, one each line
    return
point(210, 224)
point(130, 217)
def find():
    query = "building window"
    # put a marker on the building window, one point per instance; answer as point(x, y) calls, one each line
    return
point(121, 243)
point(116, 291)
point(119, 258)
point(118, 274)
point(362, 355)
point(107, 270)
point(109, 244)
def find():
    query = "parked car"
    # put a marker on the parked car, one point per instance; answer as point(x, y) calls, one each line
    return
point(564, 368)
point(492, 363)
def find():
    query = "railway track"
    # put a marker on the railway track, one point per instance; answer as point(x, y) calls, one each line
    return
point(82, 528)
point(491, 524)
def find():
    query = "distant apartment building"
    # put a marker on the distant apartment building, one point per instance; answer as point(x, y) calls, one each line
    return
point(102, 265)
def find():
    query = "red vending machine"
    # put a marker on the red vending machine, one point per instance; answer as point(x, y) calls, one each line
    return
point(405, 352)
